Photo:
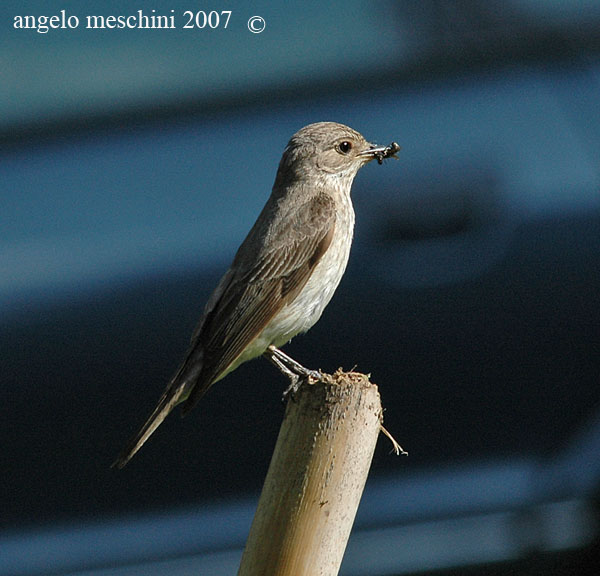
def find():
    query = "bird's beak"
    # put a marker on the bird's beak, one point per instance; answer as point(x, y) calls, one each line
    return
point(380, 152)
point(372, 151)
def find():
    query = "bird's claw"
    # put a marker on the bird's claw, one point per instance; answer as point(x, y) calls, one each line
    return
point(296, 380)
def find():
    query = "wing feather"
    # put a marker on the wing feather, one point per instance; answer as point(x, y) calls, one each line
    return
point(253, 296)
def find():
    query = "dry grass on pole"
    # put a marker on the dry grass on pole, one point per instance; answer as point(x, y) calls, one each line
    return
point(315, 479)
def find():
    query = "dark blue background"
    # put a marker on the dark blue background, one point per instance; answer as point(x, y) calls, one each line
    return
point(133, 162)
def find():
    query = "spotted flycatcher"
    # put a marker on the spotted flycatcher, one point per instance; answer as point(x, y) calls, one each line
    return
point(284, 273)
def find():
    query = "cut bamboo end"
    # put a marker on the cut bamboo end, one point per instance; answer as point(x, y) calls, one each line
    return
point(315, 480)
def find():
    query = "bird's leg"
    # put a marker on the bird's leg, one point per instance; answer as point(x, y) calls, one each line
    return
point(292, 369)
point(289, 365)
point(294, 378)
point(292, 365)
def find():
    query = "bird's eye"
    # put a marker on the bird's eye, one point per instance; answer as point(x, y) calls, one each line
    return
point(344, 147)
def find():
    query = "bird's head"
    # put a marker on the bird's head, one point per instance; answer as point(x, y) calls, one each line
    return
point(328, 149)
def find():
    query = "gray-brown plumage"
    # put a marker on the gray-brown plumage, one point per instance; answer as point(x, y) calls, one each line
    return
point(284, 273)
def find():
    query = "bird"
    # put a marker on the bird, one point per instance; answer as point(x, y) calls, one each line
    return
point(284, 273)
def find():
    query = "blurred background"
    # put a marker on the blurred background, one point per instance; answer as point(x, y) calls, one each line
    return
point(133, 163)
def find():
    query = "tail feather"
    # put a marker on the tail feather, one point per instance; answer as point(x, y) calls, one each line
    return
point(165, 405)
point(177, 391)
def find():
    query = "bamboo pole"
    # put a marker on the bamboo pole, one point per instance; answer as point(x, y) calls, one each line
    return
point(315, 479)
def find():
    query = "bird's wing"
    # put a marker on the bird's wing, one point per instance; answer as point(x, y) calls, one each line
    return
point(255, 295)
point(242, 305)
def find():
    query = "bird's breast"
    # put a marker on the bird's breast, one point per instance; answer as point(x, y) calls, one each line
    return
point(304, 311)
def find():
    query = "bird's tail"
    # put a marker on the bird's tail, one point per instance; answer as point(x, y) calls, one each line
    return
point(177, 391)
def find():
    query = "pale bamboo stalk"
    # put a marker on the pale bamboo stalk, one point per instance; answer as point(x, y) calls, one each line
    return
point(315, 479)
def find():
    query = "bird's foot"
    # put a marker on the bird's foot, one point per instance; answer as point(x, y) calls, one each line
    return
point(292, 369)
point(296, 381)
